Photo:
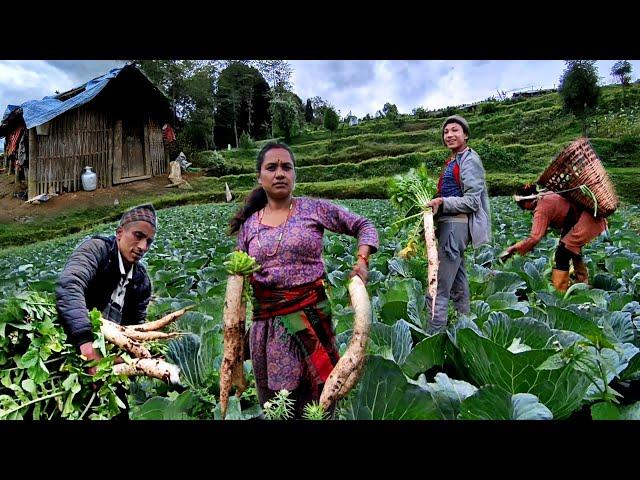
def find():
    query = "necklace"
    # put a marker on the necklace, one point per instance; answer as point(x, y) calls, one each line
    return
point(284, 226)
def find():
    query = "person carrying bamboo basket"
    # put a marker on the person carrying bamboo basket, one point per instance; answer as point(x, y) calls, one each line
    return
point(577, 227)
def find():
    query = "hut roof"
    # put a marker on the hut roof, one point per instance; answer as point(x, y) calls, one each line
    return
point(37, 112)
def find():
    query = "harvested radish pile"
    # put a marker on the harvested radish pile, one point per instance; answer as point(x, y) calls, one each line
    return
point(130, 338)
point(410, 194)
point(44, 377)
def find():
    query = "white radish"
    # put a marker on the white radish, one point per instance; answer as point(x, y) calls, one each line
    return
point(352, 380)
point(151, 367)
point(141, 336)
point(114, 333)
point(233, 335)
point(432, 257)
point(152, 335)
point(416, 189)
point(353, 359)
point(162, 322)
point(237, 375)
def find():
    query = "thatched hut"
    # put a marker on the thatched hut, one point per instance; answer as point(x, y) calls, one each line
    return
point(112, 123)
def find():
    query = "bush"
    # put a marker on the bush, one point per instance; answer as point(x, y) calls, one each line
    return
point(622, 123)
point(500, 184)
point(215, 164)
point(627, 185)
point(246, 142)
point(331, 120)
point(447, 112)
point(494, 156)
point(488, 107)
point(420, 112)
point(622, 152)
point(332, 146)
point(183, 143)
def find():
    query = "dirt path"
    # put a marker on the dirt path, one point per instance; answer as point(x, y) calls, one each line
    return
point(15, 210)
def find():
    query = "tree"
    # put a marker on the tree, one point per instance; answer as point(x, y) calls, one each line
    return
point(319, 106)
point(285, 114)
point(241, 103)
point(199, 129)
point(579, 89)
point(308, 111)
point(189, 86)
point(390, 111)
point(420, 112)
point(331, 120)
point(622, 71)
point(276, 72)
point(300, 107)
point(169, 76)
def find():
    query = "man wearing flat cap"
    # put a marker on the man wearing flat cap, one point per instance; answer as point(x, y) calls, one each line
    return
point(105, 273)
point(463, 218)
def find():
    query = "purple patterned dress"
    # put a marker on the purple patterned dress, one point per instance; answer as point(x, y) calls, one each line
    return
point(277, 360)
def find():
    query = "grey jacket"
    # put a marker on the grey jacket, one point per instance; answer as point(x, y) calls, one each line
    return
point(475, 199)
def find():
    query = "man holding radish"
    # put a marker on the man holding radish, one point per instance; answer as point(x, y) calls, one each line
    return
point(463, 216)
point(105, 273)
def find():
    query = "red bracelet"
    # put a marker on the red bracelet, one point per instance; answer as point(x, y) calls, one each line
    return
point(366, 260)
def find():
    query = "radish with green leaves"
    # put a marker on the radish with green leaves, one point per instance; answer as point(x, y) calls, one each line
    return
point(238, 266)
point(411, 194)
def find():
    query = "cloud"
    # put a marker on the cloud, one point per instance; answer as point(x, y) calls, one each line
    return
point(82, 71)
point(359, 86)
point(22, 80)
point(27, 80)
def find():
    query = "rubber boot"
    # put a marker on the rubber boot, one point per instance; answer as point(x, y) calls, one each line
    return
point(560, 280)
point(580, 271)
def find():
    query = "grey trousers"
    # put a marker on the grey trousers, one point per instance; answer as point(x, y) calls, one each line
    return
point(453, 238)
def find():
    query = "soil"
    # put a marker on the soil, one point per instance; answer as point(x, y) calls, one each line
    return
point(14, 209)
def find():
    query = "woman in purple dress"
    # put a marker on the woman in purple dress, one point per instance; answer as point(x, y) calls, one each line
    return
point(292, 339)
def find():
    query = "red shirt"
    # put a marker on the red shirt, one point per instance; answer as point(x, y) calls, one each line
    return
point(551, 211)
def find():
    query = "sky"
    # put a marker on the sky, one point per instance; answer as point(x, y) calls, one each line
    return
point(359, 86)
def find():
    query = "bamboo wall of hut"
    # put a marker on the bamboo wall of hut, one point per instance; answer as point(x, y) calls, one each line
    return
point(89, 137)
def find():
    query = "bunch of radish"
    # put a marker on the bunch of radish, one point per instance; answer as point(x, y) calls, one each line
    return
point(130, 338)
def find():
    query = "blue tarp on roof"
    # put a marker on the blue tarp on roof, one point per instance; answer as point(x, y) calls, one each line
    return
point(7, 112)
point(37, 112)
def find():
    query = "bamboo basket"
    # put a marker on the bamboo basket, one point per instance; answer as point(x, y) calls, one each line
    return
point(577, 165)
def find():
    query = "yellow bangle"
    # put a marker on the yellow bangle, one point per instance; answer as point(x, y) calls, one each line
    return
point(366, 260)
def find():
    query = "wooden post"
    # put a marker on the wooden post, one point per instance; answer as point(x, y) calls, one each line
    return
point(108, 151)
point(117, 151)
point(147, 148)
point(33, 161)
